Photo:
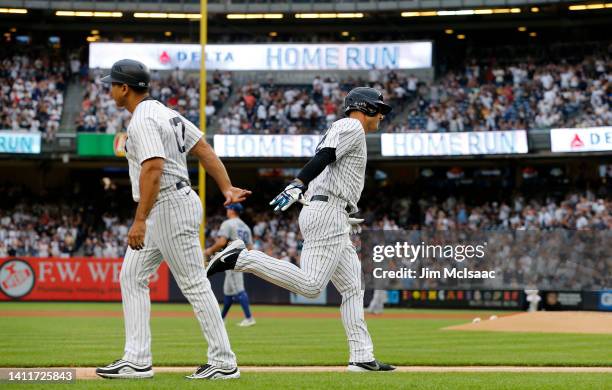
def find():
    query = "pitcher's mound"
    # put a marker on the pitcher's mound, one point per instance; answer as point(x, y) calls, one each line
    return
point(545, 322)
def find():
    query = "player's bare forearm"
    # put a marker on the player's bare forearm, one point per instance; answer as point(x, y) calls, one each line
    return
point(219, 244)
point(210, 161)
point(149, 180)
point(215, 168)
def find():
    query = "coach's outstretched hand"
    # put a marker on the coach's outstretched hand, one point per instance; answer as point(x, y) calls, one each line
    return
point(235, 195)
point(294, 192)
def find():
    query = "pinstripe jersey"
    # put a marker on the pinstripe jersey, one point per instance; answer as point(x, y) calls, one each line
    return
point(157, 131)
point(345, 177)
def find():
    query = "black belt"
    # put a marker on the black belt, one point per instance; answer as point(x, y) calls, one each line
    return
point(325, 198)
point(182, 184)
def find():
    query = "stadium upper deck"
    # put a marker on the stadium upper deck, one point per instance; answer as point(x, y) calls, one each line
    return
point(223, 6)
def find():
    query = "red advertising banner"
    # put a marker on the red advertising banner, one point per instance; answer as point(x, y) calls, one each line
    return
point(70, 279)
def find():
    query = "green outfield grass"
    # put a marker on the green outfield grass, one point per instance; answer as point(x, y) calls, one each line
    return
point(456, 381)
point(91, 341)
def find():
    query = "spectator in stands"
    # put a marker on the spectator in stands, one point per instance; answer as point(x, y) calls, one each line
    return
point(178, 90)
point(302, 109)
point(517, 96)
point(32, 94)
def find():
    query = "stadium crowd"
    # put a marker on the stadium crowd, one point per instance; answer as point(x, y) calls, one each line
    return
point(32, 93)
point(482, 95)
point(178, 90)
point(54, 230)
point(47, 229)
point(517, 96)
point(271, 108)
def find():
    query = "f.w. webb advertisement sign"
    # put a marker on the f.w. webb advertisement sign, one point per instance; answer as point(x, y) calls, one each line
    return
point(70, 279)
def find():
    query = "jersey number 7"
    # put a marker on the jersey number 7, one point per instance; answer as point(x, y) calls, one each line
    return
point(179, 132)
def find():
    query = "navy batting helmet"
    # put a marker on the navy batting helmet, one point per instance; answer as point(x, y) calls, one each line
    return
point(367, 100)
point(130, 72)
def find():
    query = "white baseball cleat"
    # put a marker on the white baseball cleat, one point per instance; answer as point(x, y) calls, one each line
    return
point(122, 369)
point(247, 322)
point(210, 372)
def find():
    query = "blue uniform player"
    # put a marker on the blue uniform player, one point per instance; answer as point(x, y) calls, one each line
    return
point(233, 228)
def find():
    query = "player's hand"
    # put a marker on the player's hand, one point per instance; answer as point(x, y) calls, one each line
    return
point(294, 192)
point(235, 195)
point(136, 235)
point(354, 224)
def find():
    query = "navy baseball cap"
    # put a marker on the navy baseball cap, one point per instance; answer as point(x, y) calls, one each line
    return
point(237, 207)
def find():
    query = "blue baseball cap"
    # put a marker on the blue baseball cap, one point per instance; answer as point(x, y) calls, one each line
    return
point(237, 207)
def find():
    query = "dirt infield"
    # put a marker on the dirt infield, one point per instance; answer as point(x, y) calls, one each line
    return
point(89, 372)
point(545, 322)
point(183, 314)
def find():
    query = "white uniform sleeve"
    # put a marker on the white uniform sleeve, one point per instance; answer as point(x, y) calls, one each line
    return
point(145, 138)
point(192, 134)
point(342, 136)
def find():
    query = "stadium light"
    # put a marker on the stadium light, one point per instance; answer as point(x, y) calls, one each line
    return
point(165, 15)
point(535, 9)
point(522, 29)
point(273, 34)
point(533, 34)
point(461, 36)
point(13, 11)
point(344, 33)
point(90, 14)
point(342, 15)
point(449, 31)
point(254, 16)
point(462, 12)
point(168, 33)
point(587, 7)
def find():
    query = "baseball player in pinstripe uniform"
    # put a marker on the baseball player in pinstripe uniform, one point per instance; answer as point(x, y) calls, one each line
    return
point(234, 228)
point(166, 225)
point(334, 178)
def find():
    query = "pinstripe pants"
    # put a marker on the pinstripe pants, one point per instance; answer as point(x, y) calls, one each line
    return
point(172, 233)
point(328, 254)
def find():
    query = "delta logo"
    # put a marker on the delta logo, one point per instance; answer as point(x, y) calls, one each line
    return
point(178, 57)
point(182, 57)
point(164, 58)
point(576, 142)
